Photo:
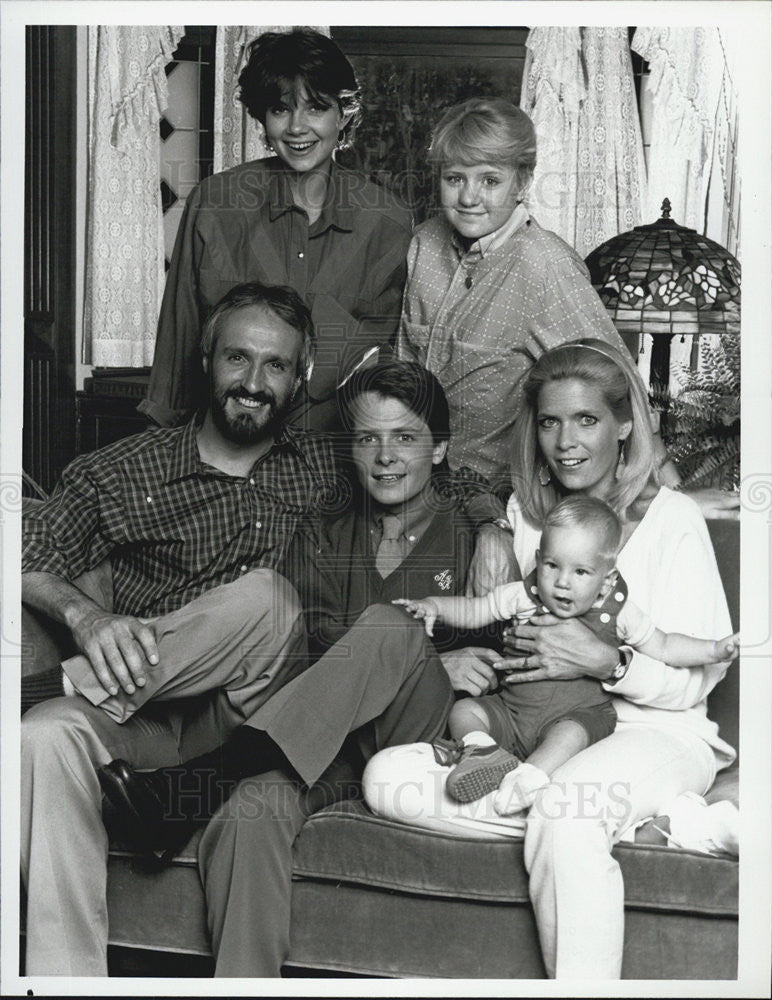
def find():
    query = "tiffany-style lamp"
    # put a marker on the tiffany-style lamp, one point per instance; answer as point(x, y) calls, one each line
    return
point(665, 279)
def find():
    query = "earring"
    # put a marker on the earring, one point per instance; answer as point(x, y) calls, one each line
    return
point(545, 478)
point(618, 472)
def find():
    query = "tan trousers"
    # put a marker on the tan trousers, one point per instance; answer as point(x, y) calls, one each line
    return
point(221, 657)
point(383, 682)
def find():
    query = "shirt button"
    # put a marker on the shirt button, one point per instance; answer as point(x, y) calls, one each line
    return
point(258, 524)
point(605, 618)
point(619, 596)
point(251, 482)
point(301, 255)
point(244, 569)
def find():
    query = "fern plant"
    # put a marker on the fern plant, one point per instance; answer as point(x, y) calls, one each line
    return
point(701, 422)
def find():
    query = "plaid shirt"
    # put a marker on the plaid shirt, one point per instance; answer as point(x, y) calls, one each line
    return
point(528, 292)
point(172, 526)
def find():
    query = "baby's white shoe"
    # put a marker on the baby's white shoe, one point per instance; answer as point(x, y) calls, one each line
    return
point(519, 788)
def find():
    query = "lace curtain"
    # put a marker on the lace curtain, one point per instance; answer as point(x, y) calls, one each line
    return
point(237, 137)
point(590, 172)
point(124, 234)
point(694, 128)
point(692, 153)
point(722, 212)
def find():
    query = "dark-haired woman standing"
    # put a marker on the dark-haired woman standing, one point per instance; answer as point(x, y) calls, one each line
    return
point(295, 219)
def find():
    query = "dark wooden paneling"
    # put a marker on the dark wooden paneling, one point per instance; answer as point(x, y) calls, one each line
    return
point(49, 251)
point(105, 419)
point(497, 42)
point(39, 369)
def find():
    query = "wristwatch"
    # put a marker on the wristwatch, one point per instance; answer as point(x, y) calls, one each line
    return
point(501, 522)
point(621, 668)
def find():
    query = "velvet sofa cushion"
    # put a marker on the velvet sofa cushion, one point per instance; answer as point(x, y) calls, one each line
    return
point(346, 842)
point(375, 897)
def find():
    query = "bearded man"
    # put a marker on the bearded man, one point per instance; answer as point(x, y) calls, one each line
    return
point(200, 629)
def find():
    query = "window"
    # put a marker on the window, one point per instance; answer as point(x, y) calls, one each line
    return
point(187, 137)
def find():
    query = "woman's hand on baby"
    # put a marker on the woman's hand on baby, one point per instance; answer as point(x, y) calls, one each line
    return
point(726, 649)
point(558, 649)
point(426, 611)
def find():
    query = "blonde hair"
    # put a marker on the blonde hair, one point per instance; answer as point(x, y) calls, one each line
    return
point(588, 514)
point(485, 130)
point(610, 371)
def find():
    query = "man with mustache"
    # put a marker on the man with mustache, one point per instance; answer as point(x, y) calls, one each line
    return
point(193, 521)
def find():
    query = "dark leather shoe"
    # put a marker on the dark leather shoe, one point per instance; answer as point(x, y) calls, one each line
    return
point(141, 801)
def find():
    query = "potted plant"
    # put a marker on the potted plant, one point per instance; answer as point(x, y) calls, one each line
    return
point(701, 422)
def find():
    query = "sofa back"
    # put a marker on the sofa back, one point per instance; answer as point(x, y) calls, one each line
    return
point(724, 700)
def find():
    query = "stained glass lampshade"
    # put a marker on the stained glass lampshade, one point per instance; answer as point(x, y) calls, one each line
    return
point(667, 279)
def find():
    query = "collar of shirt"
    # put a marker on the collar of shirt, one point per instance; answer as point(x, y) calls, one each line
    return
point(415, 517)
point(480, 248)
point(337, 211)
point(185, 459)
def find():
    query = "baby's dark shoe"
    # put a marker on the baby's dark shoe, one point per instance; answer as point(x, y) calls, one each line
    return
point(479, 771)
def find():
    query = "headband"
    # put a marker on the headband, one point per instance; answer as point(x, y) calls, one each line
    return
point(589, 347)
point(584, 347)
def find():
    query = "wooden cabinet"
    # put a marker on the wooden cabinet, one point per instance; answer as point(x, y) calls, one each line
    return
point(107, 408)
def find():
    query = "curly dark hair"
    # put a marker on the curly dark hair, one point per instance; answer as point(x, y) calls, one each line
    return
point(305, 59)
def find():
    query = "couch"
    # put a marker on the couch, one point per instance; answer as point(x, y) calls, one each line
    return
point(372, 897)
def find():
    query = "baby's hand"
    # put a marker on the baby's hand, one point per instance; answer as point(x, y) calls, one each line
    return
point(727, 649)
point(425, 610)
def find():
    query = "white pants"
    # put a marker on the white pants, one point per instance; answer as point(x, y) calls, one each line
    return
point(575, 884)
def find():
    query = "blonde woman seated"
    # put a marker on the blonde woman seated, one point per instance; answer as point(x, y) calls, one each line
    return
point(585, 430)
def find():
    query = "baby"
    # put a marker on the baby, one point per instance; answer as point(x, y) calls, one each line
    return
point(544, 723)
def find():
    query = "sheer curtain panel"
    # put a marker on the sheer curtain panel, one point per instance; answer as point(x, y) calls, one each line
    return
point(590, 173)
point(124, 233)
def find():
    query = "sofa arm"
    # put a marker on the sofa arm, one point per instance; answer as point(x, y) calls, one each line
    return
point(45, 642)
point(724, 699)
